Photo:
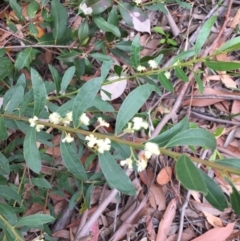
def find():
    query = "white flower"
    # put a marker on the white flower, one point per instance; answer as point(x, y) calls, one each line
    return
point(39, 127)
point(150, 149)
point(68, 138)
point(84, 119)
point(139, 123)
point(33, 120)
point(92, 140)
point(137, 1)
point(127, 162)
point(167, 74)
point(141, 165)
point(104, 145)
point(129, 128)
point(55, 118)
point(66, 121)
point(102, 122)
point(140, 68)
point(153, 64)
point(85, 9)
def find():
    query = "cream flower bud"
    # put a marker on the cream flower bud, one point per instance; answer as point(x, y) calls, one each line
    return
point(85, 9)
point(102, 122)
point(92, 140)
point(153, 64)
point(150, 149)
point(68, 138)
point(55, 118)
point(140, 68)
point(104, 145)
point(39, 127)
point(127, 162)
point(84, 119)
point(139, 123)
point(141, 165)
point(33, 120)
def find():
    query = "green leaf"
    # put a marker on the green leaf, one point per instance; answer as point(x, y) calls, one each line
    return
point(166, 136)
point(30, 151)
point(3, 129)
point(34, 221)
point(39, 92)
point(41, 182)
point(123, 150)
point(101, 57)
point(193, 137)
point(234, 198)
point(131, 105)
point(231, 45)
point(180, 74)
point(9, 193)
point(184, 55)
point(214, 194)
point(106, 27)
point(135, 51)
point(56, 77)
point(60, 16)
point(85, 98)
point(199, 82)
point(67, 77)
point(106, 67)
point(184, 4)
point(102, 105)
point(8, 213)
point(229, 162)
point(4, 164)
point(83, 32)
point(134, 17)
point(165, 82)
point(17, 9)
point(118, 70)
point(32, 9)
point(26, 100)
point(17, 96)
point(72, 161)
point(222, 66)
point(115, 175)
point(204, 34)
point(189, 175)
point(25, 58)
point(6, 67)
point(98, 6)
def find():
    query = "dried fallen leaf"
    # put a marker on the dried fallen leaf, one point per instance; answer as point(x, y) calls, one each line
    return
point(164, 176)
point(157, 198)
point(213, 220)
point(165, 224)
point(219, 234)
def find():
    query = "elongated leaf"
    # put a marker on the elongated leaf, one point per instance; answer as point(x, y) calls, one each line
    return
point(230, 162)
point(134, 17)
point(123, 150)
point(3, 129)
point(193, 137)
point(25, 58)
point(39, 92)
point(17, 9)
point(102, 105)
point(199, 82)
point(15, 100)
point(106, 66)
point(232, 44)
point(165, 82)
point(234, 197)
point(67, 77)
point(115, 175)
point(222, 66)
point(8, 213)
point(131, 105)
point(6, 67)
point(35, 220)
point(41, 182)
point(101, 57)
point(180, 74)
point(60, 16)
point(26, 100)
point(83, 32)
point(9, 194)
point(4, 164)
point(72, 162)
point(30, 151)
point(166, 136)
point(56, 77)
point(189, 175)
point(214, 194)
point(106, 27)
point(204, 33)
point(85, 98)
point(135, 51)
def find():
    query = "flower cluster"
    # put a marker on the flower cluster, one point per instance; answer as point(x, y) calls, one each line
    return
point(137, 124)
point(68, 138)
point(150, 149)
point(100, 144)
point(152, 63)
point(33, 123)
point(56, 119)
point(85, 9)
